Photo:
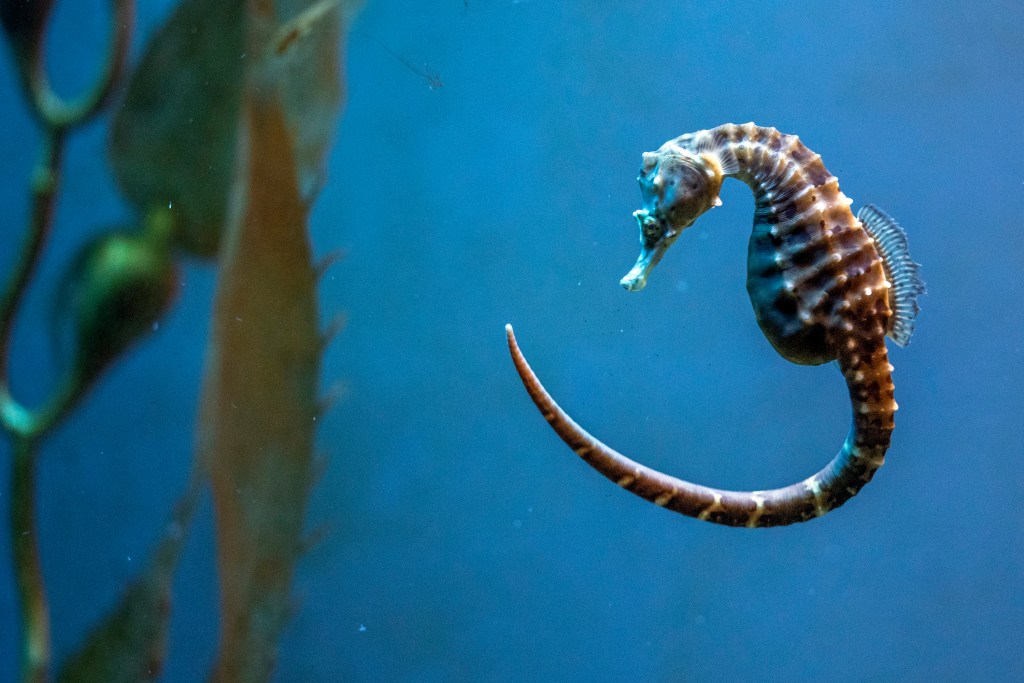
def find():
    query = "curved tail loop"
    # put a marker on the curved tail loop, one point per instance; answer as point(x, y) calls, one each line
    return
point(837, 482)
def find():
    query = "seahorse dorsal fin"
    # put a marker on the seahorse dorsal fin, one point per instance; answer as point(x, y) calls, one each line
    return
point(900, 270)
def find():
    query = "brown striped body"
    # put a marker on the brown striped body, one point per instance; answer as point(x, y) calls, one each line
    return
point(821, 290)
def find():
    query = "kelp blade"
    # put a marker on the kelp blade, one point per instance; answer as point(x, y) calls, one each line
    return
point(172, 141)
point(259, 397)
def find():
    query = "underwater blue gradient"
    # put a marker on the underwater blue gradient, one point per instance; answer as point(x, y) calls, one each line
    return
point(464, 541)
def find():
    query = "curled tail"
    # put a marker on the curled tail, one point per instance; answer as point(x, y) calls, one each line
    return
point(868, 374)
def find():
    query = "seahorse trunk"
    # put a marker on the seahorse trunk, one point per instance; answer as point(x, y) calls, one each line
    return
point(861, 455)
point(824, 286)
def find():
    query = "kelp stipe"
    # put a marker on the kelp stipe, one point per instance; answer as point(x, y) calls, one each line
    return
point(825, 285)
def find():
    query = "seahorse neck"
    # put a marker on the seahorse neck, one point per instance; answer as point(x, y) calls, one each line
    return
point(779, 169)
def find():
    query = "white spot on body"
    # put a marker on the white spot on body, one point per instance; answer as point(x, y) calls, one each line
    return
point(758, 511)
point(716, 506)
point(813, 486)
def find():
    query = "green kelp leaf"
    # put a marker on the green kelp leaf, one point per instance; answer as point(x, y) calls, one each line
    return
point(173, 140)
point(258, 405)
point(122, 284)
point(130, 644)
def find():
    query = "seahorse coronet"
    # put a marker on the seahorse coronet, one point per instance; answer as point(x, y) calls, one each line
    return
point(825, 285)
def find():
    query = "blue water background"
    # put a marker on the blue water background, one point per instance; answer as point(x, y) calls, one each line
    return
point(464, 541)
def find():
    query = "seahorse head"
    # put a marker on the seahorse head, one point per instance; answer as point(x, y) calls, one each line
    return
point(677, 187)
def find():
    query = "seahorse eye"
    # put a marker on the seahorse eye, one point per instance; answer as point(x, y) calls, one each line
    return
point(652, 230)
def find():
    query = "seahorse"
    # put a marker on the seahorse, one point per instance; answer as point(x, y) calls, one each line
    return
point(825, 286)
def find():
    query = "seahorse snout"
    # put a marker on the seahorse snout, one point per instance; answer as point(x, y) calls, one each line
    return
point(635, 279)
point(655, 238)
